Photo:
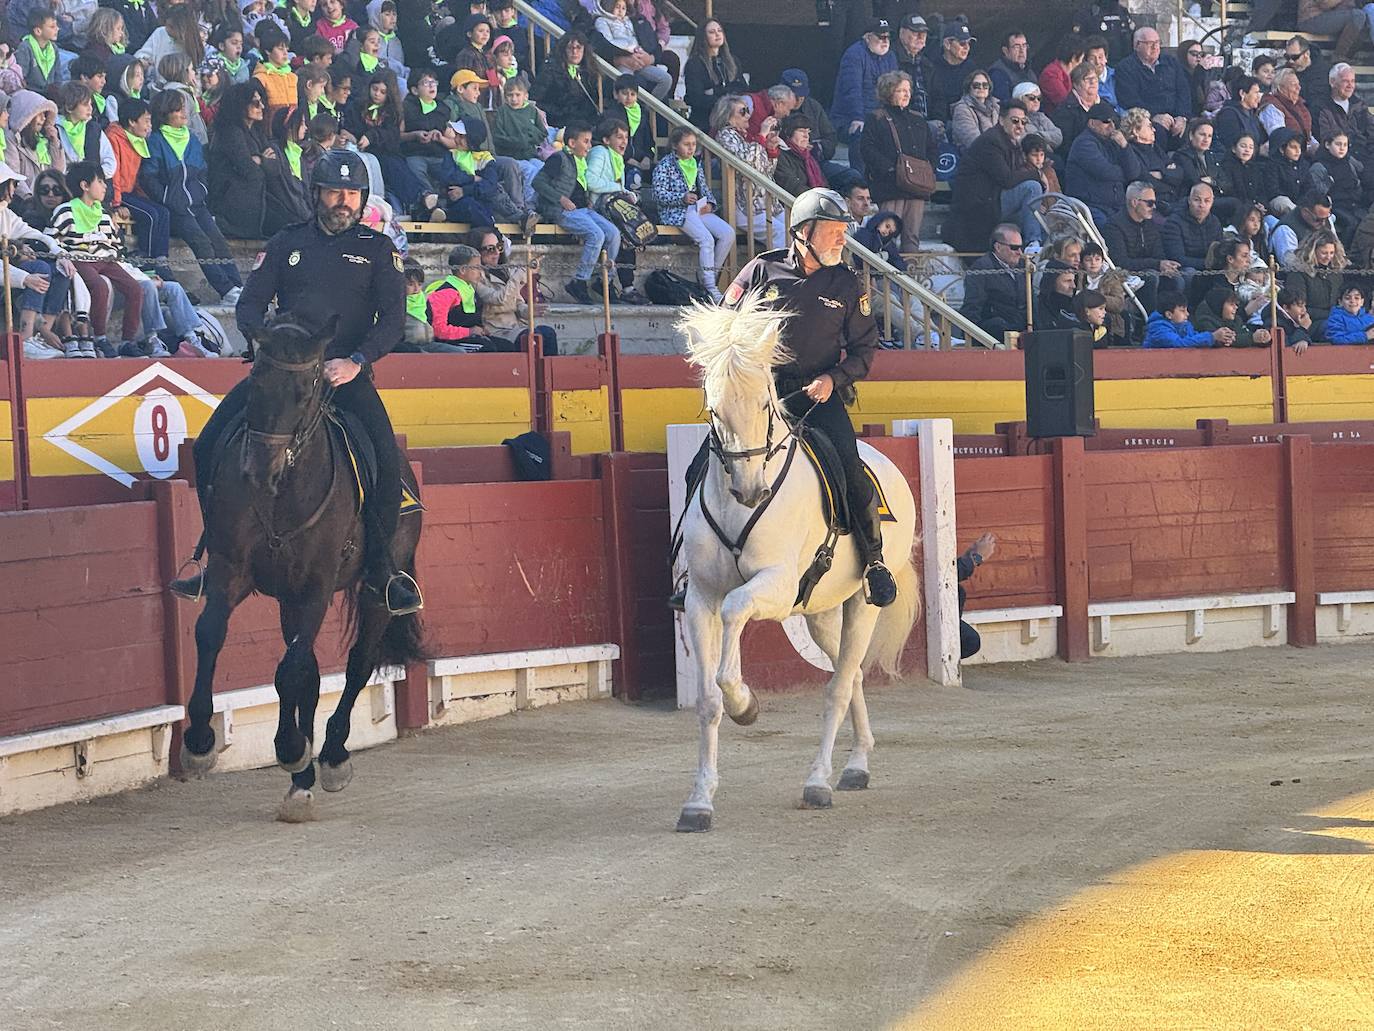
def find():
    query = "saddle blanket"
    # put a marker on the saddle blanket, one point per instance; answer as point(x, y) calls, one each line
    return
point(362, 459)
point(834, 493)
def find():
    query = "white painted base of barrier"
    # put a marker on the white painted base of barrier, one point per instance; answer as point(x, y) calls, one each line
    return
point(1016, 635)
point(478, 687)
point(82, 761)
point(245, 721)
point(1345, 615)
point(1211, 623)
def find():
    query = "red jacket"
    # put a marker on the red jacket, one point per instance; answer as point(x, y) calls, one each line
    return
point(763, 108)
point(1054, 86)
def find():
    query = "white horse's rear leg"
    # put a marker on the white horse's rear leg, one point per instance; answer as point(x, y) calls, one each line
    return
point(703, 633)
point(825, 631)
point(859, 619)
point(768, 595)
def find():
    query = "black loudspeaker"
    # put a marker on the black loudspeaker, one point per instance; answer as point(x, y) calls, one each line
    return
point(1059, 383)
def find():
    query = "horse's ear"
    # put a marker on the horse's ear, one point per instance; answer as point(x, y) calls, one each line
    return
point(329, 330)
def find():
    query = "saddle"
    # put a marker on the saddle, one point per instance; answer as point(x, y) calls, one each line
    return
point(819, 450)
point(346, 432)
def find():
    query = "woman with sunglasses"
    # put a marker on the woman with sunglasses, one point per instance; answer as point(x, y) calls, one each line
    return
point(504, 293)
point(1190, 55)
point(754, 209)
point(240, 158)
point(975, 112)
point(1037, 122)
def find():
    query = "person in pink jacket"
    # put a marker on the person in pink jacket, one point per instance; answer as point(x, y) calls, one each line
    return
point(1054, 80)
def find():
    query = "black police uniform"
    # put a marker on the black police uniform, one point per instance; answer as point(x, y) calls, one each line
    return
point(356, 274)
point(833, 334)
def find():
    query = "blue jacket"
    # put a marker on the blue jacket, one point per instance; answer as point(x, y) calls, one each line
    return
point(1094, 174)
point(1344, 328)
point(1164, 91)
point(671, 187)
point(177, 183)
point(1160, 332)
point(856, 85)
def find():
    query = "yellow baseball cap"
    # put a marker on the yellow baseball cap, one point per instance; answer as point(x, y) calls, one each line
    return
point(463, 76)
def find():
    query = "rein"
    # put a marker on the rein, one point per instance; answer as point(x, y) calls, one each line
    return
point(296, 441)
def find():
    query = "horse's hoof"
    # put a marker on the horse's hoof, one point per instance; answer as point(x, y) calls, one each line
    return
point(814, 797)
point(693, 820)
point(297, 807)
point(305, 759)
point(336, 778)
point(751, 711)
point(852, 780)
point(193, 765)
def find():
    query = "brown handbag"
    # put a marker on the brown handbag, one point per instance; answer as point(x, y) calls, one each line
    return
point(915, 176)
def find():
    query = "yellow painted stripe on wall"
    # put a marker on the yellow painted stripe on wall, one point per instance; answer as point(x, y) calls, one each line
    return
point(1179, 403)
point(973, 406)
point(648, 412)
point(6, 443)
point(586, 414)
point(452, 416)
point(429, 418)
point(1323, 398)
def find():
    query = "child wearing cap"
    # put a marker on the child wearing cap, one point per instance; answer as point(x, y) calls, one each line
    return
point(505, 59)
point(471, 182)
point(465, 102)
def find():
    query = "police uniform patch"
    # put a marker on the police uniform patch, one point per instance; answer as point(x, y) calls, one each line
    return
point(257, 262)
point(396, 260)
point(733, 295)
point(830, 302)
point(865, 305)
point(772, 293)
point(295, 259)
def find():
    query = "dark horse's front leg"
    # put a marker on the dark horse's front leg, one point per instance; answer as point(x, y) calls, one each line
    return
point(224, 590)
point(335, 769)
point(298, 693)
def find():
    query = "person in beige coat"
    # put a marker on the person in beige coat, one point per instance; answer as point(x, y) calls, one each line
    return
point(31, 141)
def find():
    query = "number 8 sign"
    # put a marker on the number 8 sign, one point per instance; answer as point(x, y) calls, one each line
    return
point(159, 429)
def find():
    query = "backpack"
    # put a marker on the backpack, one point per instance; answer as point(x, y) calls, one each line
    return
point(664, 287)
point(635, 227)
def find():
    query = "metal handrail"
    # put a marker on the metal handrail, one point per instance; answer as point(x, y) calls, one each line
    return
point(753, 180)
point(681, 14)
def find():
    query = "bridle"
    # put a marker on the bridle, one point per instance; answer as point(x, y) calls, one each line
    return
point(296, 439)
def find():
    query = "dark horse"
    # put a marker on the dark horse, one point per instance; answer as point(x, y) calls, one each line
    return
point(283, 518)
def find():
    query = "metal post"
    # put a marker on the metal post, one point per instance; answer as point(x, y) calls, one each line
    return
point(530, 292)
point(9, 303)
point(1030, 292)
point(607, 270)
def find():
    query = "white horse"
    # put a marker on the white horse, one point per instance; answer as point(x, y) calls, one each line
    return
point(755, 461)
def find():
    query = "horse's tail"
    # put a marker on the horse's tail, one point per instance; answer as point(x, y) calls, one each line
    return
point(403, 641)
point(895, 622)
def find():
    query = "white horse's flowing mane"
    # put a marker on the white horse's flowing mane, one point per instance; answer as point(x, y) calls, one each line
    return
point(735, 347)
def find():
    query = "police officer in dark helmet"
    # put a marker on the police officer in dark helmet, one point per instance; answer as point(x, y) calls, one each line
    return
point(832, 340)
point(315, 270)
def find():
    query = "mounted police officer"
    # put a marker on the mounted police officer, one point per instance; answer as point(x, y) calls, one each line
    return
point(316, 269)
point(832, 340)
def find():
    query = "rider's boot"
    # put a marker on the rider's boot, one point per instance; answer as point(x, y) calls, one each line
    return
point(396, 587)
point(880, 588)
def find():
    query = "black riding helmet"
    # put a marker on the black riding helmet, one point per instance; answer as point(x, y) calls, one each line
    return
point(340, 170)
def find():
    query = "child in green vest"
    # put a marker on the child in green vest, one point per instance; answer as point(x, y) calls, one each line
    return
point(38, 53)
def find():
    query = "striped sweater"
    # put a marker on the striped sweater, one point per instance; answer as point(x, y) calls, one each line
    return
point(101, 244)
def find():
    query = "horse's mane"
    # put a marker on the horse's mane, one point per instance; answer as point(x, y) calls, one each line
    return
point(735, 346)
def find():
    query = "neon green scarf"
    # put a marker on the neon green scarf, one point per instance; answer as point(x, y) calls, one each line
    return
point(301, 19)
point(293, 157)
point(386, 36)
point(177, 139)
point(417, 307)
point(99, 100)
point(617, 166)
point(117, 48)
point(276, 69)
point(336, 24)
point(2, 145)
point(45, 57)
point(86, 216)
point(572, 71)
point(374, 113)
point(76, 136)
point(369, 64)
point(139, 144)
point(465, 160)
point(426, 106)
point(232, 67)
point(511, 72)
point(635, 115)
point(41, 152)
point(689, 171)
point(581, 164)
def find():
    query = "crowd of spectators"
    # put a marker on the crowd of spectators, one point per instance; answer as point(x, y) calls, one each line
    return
point(200, 120)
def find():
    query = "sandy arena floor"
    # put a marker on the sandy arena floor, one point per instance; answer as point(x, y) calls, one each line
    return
point(1182, 842)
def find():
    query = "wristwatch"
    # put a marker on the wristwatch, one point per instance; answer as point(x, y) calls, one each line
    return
point(358, 359)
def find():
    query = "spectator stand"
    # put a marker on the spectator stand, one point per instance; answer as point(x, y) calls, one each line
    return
point(730, 178)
